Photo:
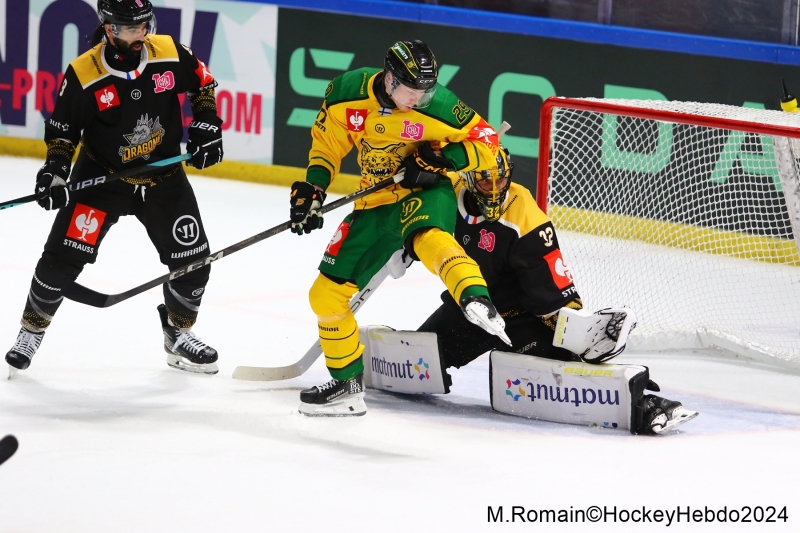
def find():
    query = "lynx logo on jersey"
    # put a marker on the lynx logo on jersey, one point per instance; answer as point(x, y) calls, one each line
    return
point(164, 82)
point(107, 98)
point(85, 224)
point(338, 238)
point(146, 136)
point(561, 274)
point(413, 131)
point(380, 162)
point(487, 241)
point(356, 119)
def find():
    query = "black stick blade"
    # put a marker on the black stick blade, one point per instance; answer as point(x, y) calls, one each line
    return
point(8, 447)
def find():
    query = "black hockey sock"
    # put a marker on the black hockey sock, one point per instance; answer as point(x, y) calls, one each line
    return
point(181, 310)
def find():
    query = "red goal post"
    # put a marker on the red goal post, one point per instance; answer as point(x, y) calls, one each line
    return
point(687, 212)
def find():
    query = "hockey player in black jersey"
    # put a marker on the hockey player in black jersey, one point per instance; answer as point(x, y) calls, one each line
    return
point(120, 100)
point(515, 245)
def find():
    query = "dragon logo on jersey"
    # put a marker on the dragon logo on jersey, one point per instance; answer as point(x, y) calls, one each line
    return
point(380, 162)
point(515, 394)
point(146, 136)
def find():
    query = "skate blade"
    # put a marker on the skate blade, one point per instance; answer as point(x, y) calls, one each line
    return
point(181, 363)
point(679, 416)
point(12, 371)
point(352, 406)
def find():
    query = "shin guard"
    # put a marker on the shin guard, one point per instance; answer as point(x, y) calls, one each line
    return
point(338, 330)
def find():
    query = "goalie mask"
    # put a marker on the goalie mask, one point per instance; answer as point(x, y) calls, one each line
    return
point(414, 69)
point(490, 187)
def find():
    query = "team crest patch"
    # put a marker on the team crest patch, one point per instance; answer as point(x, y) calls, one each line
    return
point(85, 224)
point(487, 240)
point(412, 131)
point(164, 82)
point(379, 162)
point(146, 136)
point(562, 277)
point(107, 98)
point(356, 119)
point(338, 238)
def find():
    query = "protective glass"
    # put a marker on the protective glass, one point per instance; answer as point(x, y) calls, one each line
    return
point(134, 32)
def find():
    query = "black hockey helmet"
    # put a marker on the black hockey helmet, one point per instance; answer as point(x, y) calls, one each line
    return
point(490, 187)
point(413, 64)
point(126, 13)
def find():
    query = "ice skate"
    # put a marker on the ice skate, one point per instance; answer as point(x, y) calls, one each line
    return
point(184, 350)
point(480, 311)
point(334, 398)
point(20, 355)
point(662, 415)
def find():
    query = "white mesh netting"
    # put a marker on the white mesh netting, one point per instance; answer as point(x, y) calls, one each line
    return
point(688, 225)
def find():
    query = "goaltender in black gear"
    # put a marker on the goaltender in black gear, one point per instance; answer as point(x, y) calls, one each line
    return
point(120, 101)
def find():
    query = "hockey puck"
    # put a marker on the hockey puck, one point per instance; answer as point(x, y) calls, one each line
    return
point(8, 446)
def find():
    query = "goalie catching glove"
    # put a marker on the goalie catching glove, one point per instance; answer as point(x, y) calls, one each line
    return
point(205, 141)
point(424, 167)
point(51, 183)
point(595, 337)
point(306, 202)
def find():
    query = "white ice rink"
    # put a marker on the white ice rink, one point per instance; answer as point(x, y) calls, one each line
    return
point(113, 440)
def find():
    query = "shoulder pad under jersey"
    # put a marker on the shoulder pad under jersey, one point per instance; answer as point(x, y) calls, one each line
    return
point(350, 86)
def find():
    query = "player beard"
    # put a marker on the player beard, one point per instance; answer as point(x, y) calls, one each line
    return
point(131, 50)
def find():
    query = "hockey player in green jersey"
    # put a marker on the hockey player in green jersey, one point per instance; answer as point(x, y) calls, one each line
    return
point(397, 118)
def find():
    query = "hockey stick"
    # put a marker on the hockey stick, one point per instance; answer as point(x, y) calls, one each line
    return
point(84, 295)
point(76, 185)
point(258, 373)
point(8, 447)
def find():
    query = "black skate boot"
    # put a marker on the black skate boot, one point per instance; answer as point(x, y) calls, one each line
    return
point(662, 415)
point(335, 398)
point(20, 355)
point(184, 350)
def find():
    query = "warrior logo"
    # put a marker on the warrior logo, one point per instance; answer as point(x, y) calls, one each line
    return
point(356, 119)
point(380, 162)
point(486, 241)
point(408, 209)
point(86, 221)
point(185, 230)
point(164, 82)
point(145, 138)
point(412, 131)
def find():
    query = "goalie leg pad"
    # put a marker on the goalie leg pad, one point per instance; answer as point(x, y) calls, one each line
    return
point(402, 361)
point(607, 396)
point(595, 337)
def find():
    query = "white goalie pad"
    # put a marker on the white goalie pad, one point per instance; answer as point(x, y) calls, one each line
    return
point(401, 361)
point(568, 392)
point(595, 337)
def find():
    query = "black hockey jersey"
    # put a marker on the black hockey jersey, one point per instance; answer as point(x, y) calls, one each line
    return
point(518, 255)
point(127, 119)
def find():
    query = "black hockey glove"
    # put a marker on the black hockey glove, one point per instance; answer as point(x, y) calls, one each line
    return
point(205, 141)
point(424, 167)
point(306, 202)
point(51, 183)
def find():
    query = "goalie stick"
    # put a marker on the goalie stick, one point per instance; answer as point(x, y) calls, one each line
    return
point(78, 293)
point(258, 373)
point(76, 185)
point(8, 447)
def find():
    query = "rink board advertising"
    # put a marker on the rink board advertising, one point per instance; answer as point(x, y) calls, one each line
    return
point(273, 70)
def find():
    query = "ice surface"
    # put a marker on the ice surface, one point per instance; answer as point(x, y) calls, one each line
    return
point(113, 440)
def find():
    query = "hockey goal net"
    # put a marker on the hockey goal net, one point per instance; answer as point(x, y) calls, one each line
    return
point(686, 212)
